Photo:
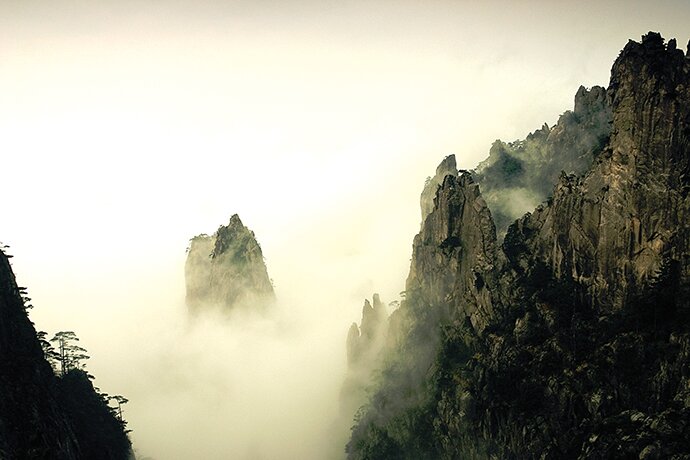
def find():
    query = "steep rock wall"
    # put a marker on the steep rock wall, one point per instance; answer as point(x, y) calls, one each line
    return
point(611, 229)
point(579, 348)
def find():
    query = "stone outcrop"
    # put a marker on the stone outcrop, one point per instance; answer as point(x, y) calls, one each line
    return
point(453, 255)
point(227, 270)
point(571, 340)
point(452, 271)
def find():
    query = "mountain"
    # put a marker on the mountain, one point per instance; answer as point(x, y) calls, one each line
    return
point(364, 344)
point(43, 416)
point(518, 176)
point(566, 335)
point(227, 270)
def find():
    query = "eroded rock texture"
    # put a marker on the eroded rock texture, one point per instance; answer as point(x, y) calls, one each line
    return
point(612, 229)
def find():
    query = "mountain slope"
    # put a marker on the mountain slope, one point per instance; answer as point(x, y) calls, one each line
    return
point(572, 340)
point(43, 416)
point(31, 422)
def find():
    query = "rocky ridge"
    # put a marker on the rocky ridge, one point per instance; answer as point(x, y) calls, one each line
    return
point(570, 340)
point(612, 229)
point(517, 176)
point(364, 345)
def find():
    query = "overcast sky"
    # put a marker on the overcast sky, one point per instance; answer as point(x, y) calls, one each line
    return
point(128, 127)
point(131, 126)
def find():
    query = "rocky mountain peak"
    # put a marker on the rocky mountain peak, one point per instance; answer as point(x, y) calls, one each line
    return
point(364, 348)
point(589, 101)
point(365, 341)
point(517, 176)
point(454, 250)
point(227, 270)
point(373, 317)
point(572, 339)
point(612, 229)
point(447, 167)
point(648, 89)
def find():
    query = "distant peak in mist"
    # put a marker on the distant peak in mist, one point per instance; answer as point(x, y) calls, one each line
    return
point(227, 270)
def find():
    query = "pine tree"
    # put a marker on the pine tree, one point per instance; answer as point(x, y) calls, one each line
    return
point(69, 355)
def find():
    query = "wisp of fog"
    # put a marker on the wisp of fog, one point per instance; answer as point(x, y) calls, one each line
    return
point(248, 384)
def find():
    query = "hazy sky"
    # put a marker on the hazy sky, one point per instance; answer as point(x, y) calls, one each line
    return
point(128, 127)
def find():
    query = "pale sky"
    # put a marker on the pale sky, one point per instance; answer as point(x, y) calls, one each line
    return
point(128, 127)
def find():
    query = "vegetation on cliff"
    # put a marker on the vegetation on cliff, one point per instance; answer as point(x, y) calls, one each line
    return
point(49, 408)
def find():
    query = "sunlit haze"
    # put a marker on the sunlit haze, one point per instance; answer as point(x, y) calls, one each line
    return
point(126, 128)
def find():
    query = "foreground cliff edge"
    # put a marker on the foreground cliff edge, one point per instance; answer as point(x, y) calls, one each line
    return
point(42, 415)
point(570, 336)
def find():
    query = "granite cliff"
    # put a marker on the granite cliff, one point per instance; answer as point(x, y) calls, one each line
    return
point(570, 337)
point(227, 270)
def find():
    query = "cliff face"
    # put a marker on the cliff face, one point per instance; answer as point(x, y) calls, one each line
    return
point(227, 270)
point(453, 256)
point(519, 175)
point(572, 339)
point(42, 416)
point(612, 229)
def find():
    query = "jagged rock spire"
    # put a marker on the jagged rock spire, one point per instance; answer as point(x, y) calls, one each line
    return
point(227, 270)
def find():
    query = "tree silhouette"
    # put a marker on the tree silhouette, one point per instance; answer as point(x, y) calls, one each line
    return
point(120, 401)
point(52, 356)
point(69, 355)
point(25, 297)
